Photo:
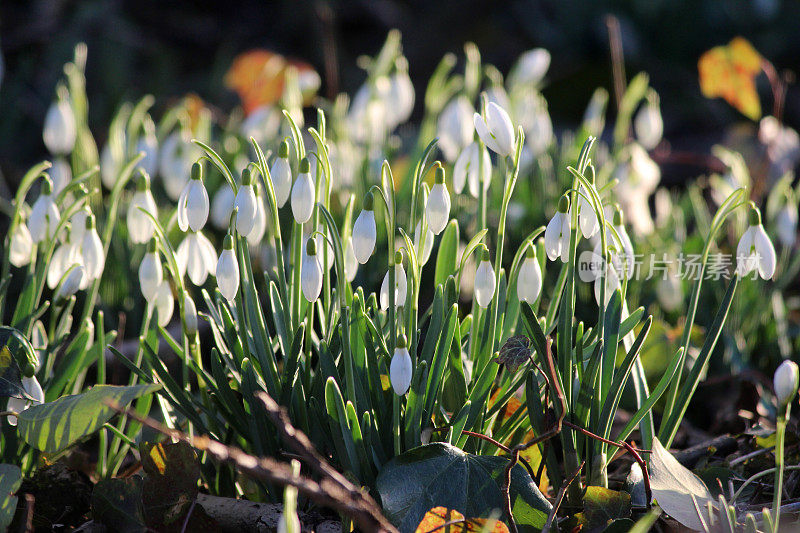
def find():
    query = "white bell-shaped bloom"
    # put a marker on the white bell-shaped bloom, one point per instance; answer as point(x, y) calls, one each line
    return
point(22, 245)
point(454, 127)
point(401, 96)
point(669, 291)
point(189, 314)
point(94, 258)
point(423, 249)
point(530, 68)
point(71, 283)
point(529, 281)
point(140, 227)
point(260, 225)
point(281, 174)
point(193, 205)
point(755, 250)
point(228, 270)
point(222, 206)
point(78, 224)
point(587, 218)
point(151, 275)
point(60, 130)
point(485, 282)
point(539, 131)
point(60, 173)
point(175, 160)
point(33, 389)
point(44, 215)
point(437, 209)
point(148, 143)
point(786, 381)
point(364, 231)
point(111, 163)
point(786, 224)
point(350, 261)
point(64, 256)
point(470, 170)
point(556, 235)
point(197, 256)
point(648, 124)
point(311, 272)
point(165, 303)
point(400, 285)
point(496, 131)
point(303, 194)
point(246, 205)
point(625, 247)
point(612, 283)
point(262, 124)
point(401, 368)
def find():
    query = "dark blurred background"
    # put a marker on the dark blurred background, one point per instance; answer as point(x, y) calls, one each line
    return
point(169, 48)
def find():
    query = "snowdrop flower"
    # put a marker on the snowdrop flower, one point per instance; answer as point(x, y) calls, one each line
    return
point(454, 127)
point(151, 275)
point(71, 283)
point(638, 179)
point(364, 231)
point(111, 162)
point(786, 224)
point(496, 131)
point(786, 381)
point(165, 304)
point(94, 259)
point(262, 124)
point(228, 270)
point(400, 284)
point(260, 225)
point(22, 246)
point(556, 235)
point(325, 253)
point(60, 173)
point(311, 272)
point(140, 226)
point(587, 218)
point(281, 174)
point(401, 368)
point(468, 170)
point(530, 68)
point(423, 250)
point(60, 130)
point(755, 250)
point(148, 143)
point(44, 214)
point(189, 314)
point(625, 245)
point(193, 202)
point(303, 194)
point(401, 95)
point(484, 281)
point(78, 224)
point(669, 292)
point(437, 210)
point(196, 254)
point(350, 261)
point(612, 283)
point(782, 144)
point(222, 206)
point(174, 164)
point(33, 389)
point(529, 281)
point(594, 118)
point(538, 127)
point(246, 203)
point(66, 255)
point(647, 124)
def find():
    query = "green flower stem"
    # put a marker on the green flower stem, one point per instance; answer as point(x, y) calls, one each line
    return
point(297, 254)
point(780, 438)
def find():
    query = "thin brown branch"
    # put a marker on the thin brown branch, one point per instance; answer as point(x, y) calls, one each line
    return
point(560, 498)
point(617, 57)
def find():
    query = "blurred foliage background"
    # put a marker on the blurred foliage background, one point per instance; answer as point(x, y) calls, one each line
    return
point(170, 48)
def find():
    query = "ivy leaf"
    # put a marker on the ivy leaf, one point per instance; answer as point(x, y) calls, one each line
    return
point(515, 352)
point(170, 486)
point(117, 504)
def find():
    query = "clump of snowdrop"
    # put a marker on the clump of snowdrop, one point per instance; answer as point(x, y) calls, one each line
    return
point(70, 282)
point(437, 210)
point(786, 222)
point(648, 124)
point(454, 127)
point(175, 162)
point(65, 255)
point(151, 275)
point(60, 130)
point(60, 173)
point(33, 389)
point(400, 284)
point(303, 194)
point(473, 168)
point(786, 381)
point(401, 368)
point(496, 130)
point(485, 282)
point(755, 251)
point(556, 235)
point(311, 272)
point(260, 224)
point(140, 227)
point(364, 231)
point(529, 281)
point(44, 214)
point(281, 174)
point(228, 270)
point(638, 178)
point(193, 205)
point(246, 205)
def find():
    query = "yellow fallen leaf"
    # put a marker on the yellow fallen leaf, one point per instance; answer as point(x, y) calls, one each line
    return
point(442, 519)
point(729, 72)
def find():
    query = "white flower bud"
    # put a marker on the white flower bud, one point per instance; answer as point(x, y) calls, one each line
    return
point(423, 250)
point(648, 125)
point(260, 225)
point(786, 224)
point(193, 205)
point(21, 248)
point(468, 170)
point(44, 215)
point(94, 259)
point(530, 68)
point(222, 207)
point(786, 382)
point(529, 281)
point(484, 281)
point(140, 227)
point(228, 270)
point(174, 164)
point(755, 250)
point(246, 205)
point(437, 210)
point(189, 314)
point(400, 284)
point(61, 174)
point(60, 130)
point(151, 275)
point(454, 127)
point(496, 131)
point(303, 194)
point(165, 304)
point(612, 283)
point(148, 143)
point(556, 235)
point(311, 272)
point(196, 255)
point(63, 258)
point(71, 283)
point(364, 232)
point(401, 368)
point(281, 174)
point(401, 96)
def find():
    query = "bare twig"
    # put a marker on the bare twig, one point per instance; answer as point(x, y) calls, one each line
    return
point(26, 525)
point(617, 59)
point(561, 493)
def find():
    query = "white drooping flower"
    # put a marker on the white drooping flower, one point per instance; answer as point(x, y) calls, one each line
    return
point(262, 124)
point(529, 281)
point(468, 170)
point(625, 247)
point(638, 179)
point(151, 275)
point(78, 224)
point(140, 227)
point(33, 389)
point(148, 143)
point(189, 314)
point(587, 218)
point(496, 131)
point(454, 127)
point(311, 272)
point(60, 130)
point(401, 96)
point(531, 110)
point(401, 368)
point(485, 282)
point(165, 303)
point(400, 284)
point(44, 215)
point(246, 205)
point(228, 270)
point(669, 291)
point(530, 68)
point(61, 174)
point(222, 206)
point(193, 203)
point(786, 382)
point(755, 250)
point(370, 118)
point(612, 283)
point(437, 209)
point(197, 256)
point(94, 258)
point(303, 194)
point(71, 283)
point(281, 174)
point(260, 225)
point(112, 159)
point(556, 235)
point(648, 124)
point(594, 118)
point(786, 224)
point(22, 245)
point(423, 249)
point(364, 231)
point(175, 161)
point(64, 256)
point(782, 145)
point(350, 261)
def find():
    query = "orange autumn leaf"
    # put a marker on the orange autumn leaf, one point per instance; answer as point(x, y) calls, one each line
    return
point(730, 72)
point(442, 519)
